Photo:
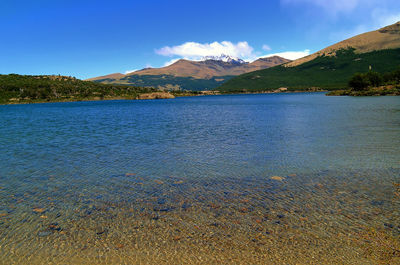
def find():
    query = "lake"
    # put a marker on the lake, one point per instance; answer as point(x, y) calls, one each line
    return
point(294, 178)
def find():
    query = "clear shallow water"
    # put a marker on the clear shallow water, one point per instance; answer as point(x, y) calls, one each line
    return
point(189, 180)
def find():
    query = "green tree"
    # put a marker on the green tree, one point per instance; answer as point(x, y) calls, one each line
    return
point(396, 76)
point(375, 79)
point(359, 82)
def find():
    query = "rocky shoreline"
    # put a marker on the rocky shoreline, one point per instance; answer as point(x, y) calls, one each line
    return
point(156, 95)
point(374, 91)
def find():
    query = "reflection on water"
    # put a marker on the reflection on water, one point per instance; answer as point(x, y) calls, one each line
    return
point(251, 179)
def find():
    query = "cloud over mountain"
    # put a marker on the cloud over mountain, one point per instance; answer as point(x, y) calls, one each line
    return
point(291, 55)
point(242, 50)
point(196, 51)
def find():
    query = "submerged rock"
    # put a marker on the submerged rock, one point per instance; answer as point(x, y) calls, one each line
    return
point(54, 227)
point(39, 210)
point(178, 182)
point(177, 238)
point(162, 209)
point(277, 178)
point(155, 217)
point(161, 200)
point(100, 230)
point(186, 205)
point(118, 246)
point(387, 225)
point(44, 233)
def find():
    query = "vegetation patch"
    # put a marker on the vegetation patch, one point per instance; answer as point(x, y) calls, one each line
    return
point(371, 84)
point(29, 89)
point(326, 72)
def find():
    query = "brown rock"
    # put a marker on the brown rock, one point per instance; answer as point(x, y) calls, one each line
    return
point(244, 210)
point(178, 182)
point(277, 178)
point(177, 238)
point(156, 95)
point(214, 206)
point(39, 210)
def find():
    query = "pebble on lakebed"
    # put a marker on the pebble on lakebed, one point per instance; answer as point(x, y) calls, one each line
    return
point(277, 178)
point(54, 227)
point(39, 210)
point(44, 233)
point(178, 182)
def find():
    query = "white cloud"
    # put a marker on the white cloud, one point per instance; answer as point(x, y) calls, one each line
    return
point(291, 55)
point(380, 12)
point(391, 19)
point(130, 71)
point(134, 70)
point(331, 6)
point(168, 63)
point(366, 15)
point(378, 18)
point(195, 50)
point(382, 17)
point(342, 35)
point(266, 47)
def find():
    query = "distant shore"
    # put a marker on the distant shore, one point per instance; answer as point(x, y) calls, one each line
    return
point(153, 95)
point(143, 96)
point(178, 94)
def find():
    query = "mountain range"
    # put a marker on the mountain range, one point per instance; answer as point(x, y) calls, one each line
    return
point(330, 68)
point(184, 74)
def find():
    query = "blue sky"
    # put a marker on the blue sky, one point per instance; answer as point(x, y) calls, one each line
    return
point(88, 38)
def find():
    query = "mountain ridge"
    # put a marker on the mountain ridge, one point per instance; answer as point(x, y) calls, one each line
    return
point(190, 75)
point(381, 39)
point(205, 69)
point(329, 68)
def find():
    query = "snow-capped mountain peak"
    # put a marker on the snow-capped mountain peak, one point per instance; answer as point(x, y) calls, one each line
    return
point(224, 58)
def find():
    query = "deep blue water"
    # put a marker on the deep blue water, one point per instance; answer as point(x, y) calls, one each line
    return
point(214, 136)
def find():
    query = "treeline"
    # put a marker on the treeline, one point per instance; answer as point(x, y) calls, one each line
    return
point(371, 84)
point(365, 81)
point(24, 88)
